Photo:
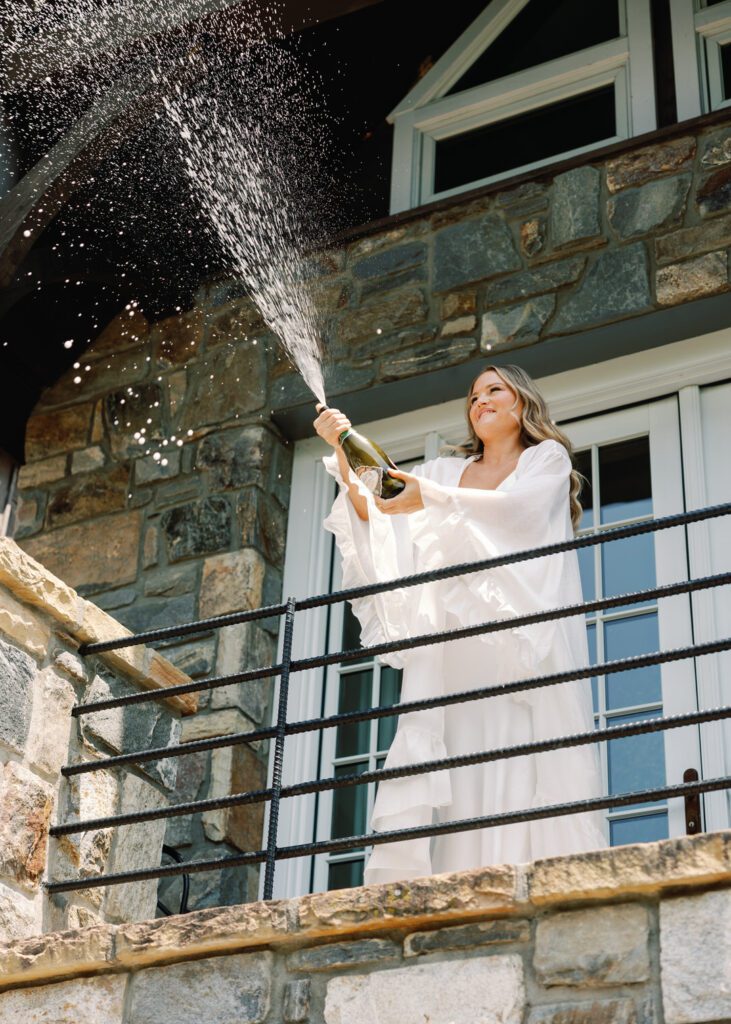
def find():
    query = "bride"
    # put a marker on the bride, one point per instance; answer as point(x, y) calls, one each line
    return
point(511, 487)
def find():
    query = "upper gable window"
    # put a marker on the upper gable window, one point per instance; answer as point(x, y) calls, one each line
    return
point(528, 82)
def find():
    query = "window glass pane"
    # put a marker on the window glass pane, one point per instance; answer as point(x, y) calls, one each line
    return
point(586, 558)
point(636, 762)
point(624, 638)
point(629, 565)
point(537, 135)
point(350, 804)
point(355, 695)
point(345, 874)
point(351, 629)
point(544, 30)
point(645, 829)
point(624, 472)
point(591, 637)
point(390, 693)
point(582, 462)
point(726, 70)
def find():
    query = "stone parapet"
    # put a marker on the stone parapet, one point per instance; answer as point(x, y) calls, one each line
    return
point(643, 940)
point(43, 622)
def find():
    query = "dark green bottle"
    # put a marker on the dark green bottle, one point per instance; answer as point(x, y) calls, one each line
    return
point(371, 464)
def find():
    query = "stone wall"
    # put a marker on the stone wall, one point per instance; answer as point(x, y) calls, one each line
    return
point(633, 935)
point(42, 624)
point(201, 529)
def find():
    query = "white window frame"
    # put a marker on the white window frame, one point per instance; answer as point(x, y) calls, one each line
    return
point(427, 116)
point(698, 33)
point(585, 391)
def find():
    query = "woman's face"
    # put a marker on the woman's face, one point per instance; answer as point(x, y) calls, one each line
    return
point(490, 405)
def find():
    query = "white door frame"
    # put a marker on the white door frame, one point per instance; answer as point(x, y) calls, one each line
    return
point(585, 391)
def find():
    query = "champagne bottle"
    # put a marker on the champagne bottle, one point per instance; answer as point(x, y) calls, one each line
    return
point(369, 462)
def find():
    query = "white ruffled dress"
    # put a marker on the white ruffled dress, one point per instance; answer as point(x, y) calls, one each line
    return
point(530, 508)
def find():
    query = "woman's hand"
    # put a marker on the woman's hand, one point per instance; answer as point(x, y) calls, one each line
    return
point(330, 424)
point(409, 500)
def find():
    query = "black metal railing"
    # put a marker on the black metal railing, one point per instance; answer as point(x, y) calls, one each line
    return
point(276, 791)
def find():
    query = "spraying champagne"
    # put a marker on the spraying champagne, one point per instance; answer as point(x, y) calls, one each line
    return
point(369, 462)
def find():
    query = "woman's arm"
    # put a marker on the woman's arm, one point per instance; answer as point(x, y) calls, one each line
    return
point(330, 424)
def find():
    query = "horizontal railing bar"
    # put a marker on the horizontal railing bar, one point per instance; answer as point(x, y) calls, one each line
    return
point(422, 768)
point(386, 711)
point(424, 640)
point(589, 540)
point(379, 838)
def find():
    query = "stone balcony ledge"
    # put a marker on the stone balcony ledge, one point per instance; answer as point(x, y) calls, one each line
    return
point(644, 872)
point(24, 578)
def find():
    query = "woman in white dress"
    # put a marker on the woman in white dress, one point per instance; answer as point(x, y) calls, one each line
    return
point(512, 487)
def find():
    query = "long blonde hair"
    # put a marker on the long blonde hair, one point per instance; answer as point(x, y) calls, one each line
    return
point(535, 426)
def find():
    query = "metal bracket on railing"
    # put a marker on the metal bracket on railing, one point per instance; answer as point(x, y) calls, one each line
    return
point(278, 760)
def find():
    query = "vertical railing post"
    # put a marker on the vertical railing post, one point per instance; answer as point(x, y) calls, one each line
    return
point(278, 760)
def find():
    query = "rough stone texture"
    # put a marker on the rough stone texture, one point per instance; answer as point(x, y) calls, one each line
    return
point(383, 314)
point(231, 582)
point(534, 282)
point(643, 165)
point(93, 999)
point(615, 285)
point(514, 326)
point(714, 194)
point(533, 237)
point(530, 197)
point(472, 250)
point(695, 958)
point(50, 433)
point(230, 381)
point(25, 811)
point(236, 770)
point(683, 282)
point(458, 304)
point(198, 528)
point(296, 1001)
point(21, 626)
point(608, 1011)
point(427, 357)
point(693, 241)
point(102, 558)
point(489, 990)
point(575, 216)
point(51, 725)
point(35, 474)
point(607, 946)
point(232, 991)
point(717, 149)
point(89, 495)
point(639, 211)
point(390, 262)
point(462, 325)
point(467, 936)
point(17, 671)
point(340, 955)
point(87, 460)
point(19, 915)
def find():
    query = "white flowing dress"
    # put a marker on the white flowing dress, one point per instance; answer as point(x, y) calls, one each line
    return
point(530, 508)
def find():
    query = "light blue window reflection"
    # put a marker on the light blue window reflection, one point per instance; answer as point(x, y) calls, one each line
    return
point(350, 804)
point(645, 829)
point(629, 565)
point(588, 574)
point(591, 638)
point(355, 695)
point(624, 472)
point(636, 762)
point(624, 638)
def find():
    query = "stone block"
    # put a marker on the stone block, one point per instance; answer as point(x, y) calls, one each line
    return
point(530, 197)
point(575, 216)
point(196, 657)
point(25, 811)
point(427, 356)
point(716, 149)
point(155, 613)
point(605, 1011)
point(120, 598)
point(229, 990)
point(695, 957)
point(693, 241)
point(19, 624)
point(458, 304)
point(462, 325)
point(594, 947)
point(229, 382)
point(197, 528)
point(127, 330)
point(341, 955)
point(515, 326)
point(150, 547)
point(31, 582)
point(89, 495)
point(617, 285)
point(296, 1001)
point(126, 412)
point(239, 457)
point(172, 582)
point(87, 460)
point(72, 666)
point(49, 433)
point(149, 470)
point(490, 990)
point(692, 279)
point(178, 339)
point(20, 915)
point(69, 1002)
point(242, 646)
point(36, 474)
point(382, 315)
point(646, 164)
point(17, 672)
point(236, 770)
point(102, 556)
point(467, 936)
point(29, 514)
point(533, 237)
point(51, 725)
point(86, 854)
point(263, 524)
point(473, 250)
point(388, 262)
point(714, 193)
point(534, 282)
point(231, 582)
point(639, 211)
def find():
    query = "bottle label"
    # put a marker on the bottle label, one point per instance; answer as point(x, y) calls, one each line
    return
point(345, 433)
